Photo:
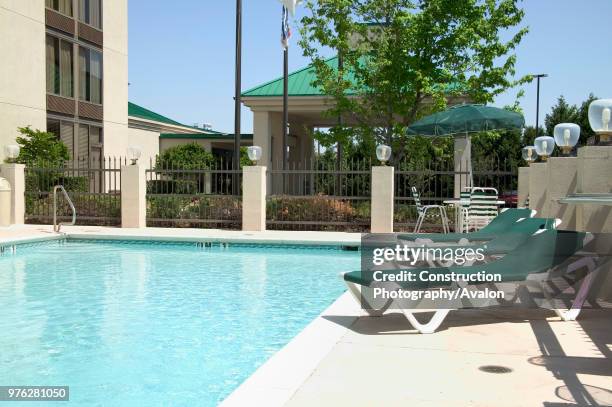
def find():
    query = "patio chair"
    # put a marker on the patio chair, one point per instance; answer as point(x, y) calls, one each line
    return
point(542, 253)
point(500, 224)
point(482, 208)
point(423, 211)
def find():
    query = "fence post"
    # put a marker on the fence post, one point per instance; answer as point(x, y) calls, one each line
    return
point(15, 175)
point(133, 196)
point(254, 198)
point(383, 196)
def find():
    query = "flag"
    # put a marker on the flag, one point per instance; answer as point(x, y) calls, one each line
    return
point(285, 30)
point(291, 5)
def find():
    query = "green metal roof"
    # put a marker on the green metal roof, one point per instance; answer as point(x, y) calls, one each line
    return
point(198, 136)
point(139, 111)
point(300, 83)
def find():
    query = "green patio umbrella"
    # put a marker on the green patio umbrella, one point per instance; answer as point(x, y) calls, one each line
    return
point(465, 119)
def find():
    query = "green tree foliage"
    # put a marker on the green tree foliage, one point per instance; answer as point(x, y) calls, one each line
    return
point(38, 147)
point(410, 57)
point(186, 156)
point(562, 112)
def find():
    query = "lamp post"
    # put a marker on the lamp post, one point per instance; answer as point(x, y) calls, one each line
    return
point(237, 97)
point(538, 76)
point(254, 153)
point(599, 118)
point(566, 136)
point(383, 153)
point(544, 146)
point(529, 154)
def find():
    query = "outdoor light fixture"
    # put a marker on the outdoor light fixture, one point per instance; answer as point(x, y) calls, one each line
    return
point(12, 152)
point(599, 118)
point(544, 146)
point(566, 136)
point(134, 153)
point(254, 153)
point(383, 153)
point(529, 154)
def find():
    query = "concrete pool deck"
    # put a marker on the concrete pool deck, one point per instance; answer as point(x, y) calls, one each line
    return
point(344, 359)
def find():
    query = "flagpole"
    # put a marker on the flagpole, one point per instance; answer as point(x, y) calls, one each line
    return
point(285, 105)
point(237, 95)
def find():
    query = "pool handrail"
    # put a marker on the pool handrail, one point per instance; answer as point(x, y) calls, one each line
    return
point(57, 226)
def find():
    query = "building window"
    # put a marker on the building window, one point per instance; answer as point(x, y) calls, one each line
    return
point(90, 12)
point(64, 131)
point(85, 147)
point(62, 6)
point(60, 75)
point(90, 75)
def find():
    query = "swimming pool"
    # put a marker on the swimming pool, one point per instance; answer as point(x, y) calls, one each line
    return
point(149, 323)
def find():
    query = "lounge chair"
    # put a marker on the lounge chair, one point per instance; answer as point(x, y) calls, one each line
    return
point(500, 224)
point(536, 257)
point(505, 242)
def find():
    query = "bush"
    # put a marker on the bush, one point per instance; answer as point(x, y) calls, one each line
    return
point(318, 208)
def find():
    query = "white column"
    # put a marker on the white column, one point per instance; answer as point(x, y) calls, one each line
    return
point(254, 198)
point(15, 174)
point(523, 186)
point(538, 189)
point(561, 181)
point(133, 196)
point(383, 195)
point(463, 163)
point(594, 167)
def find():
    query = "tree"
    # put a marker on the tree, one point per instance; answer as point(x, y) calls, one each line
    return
point(562, 112)
point(582, 120)
point(186, 157)
point(410, 57)
point(38, 147)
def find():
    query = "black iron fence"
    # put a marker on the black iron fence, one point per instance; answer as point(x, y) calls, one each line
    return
point(184, 195)
point(93, 186)
point(319, 195)
point(316, 195)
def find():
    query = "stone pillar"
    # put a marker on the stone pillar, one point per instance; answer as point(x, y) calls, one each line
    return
point(538, 189)
point(383, 195)
point(15, 174)
point(561, 181)
point(254, 198)
point(133, 196)
point(463, 163)
point(523, 186)
point(594, 176)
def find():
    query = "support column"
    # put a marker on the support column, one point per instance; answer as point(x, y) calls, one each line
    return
point(537, 189)
point(463, 163)
point(594, 169)
point(523, 186)
point(133, 196)
point(561, 181)
point(383, 195)
point(15, 174)
point(254, 198)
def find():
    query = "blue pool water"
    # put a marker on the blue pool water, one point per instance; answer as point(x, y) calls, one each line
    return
point(147, 324)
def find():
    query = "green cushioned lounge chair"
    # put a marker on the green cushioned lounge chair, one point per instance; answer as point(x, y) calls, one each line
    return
point(500, 224)
point(535, 257)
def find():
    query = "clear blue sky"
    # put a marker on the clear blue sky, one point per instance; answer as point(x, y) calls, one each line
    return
point(181, 57)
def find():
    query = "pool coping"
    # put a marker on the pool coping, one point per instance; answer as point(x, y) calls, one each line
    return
point(275, 382)
point(183, 235)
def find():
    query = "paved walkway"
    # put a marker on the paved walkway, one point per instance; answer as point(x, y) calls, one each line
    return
point(382, 362)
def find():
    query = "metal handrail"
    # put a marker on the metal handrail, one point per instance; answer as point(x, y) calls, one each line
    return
point(57, 226)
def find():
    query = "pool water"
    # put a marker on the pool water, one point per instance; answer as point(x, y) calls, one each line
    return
point(134, 323)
